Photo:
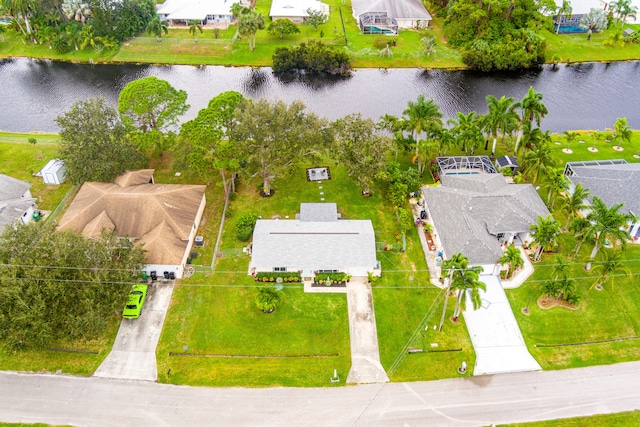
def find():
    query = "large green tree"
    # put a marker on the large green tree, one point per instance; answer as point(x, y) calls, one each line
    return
point(93, 142)
point(209, 146)
point(574, 202)
point(467, 130)
point(537, 160)
point(156, 27)
point(56, 285)
point(422, 117)
point(607, 224)
point(361, 148)
point(282, 27)
point(272, 137)
point(513, 258)
point(151, 104)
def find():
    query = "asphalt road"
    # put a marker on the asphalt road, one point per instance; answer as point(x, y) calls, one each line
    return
point(473, 401)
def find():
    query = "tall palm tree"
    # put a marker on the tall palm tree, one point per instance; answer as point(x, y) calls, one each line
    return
point(450, 267)
point(561, 268)
point(607, 225)
point(557, 183)
point(156, 27)
point(501, 117)
point(570, 136)
point(422, 116)
point(609, 267)
point(468, 285)
point(20, 9)
point(532, 136)
point(531, 108)
point(622, 130)
point(544, 234)
point(597, 137)
point(513, 257)
point(565, 9)
point(537, 160)
point(194, 27)
point(575, 201)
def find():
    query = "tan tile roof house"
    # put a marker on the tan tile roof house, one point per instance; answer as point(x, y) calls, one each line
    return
point(161, 217)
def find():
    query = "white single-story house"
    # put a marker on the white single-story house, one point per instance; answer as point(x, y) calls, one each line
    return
point(386, 16)
point(316, 241)
point(296, 10)
point(161, 217)
point(204, 11)
point(16, 203)
point(476, 212)
point(54, 172)
point(612, 181)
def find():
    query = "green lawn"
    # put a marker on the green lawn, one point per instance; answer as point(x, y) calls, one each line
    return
point(20, 159)
point(621, 419)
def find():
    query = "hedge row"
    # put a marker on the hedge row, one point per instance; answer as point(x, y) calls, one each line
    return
point(287, 277)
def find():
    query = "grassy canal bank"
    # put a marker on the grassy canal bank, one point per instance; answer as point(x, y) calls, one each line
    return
point(179, 46)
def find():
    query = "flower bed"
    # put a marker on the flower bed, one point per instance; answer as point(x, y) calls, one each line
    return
point(270, 276)
point(331, 279)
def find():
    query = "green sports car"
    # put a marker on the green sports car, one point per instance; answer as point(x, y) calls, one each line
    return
point(134, 304)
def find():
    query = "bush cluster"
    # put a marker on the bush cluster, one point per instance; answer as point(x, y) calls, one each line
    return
point(245, 225)
point(313, 58)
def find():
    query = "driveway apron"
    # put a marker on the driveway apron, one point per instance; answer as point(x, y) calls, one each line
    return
point(365, 355)
point(133, 355)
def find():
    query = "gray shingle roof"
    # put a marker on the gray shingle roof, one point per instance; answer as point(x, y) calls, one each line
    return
point(314, 245)
point(12, 188)
point(318, 212)
point(12, 210)
point(619, 183)
point(468, 211)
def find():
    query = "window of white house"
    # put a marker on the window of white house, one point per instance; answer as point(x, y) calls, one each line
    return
point(280, 269)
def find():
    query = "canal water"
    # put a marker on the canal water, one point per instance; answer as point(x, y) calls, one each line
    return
point(584, 96)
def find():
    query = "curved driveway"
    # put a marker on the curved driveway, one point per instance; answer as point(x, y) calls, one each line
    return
point(473, 401)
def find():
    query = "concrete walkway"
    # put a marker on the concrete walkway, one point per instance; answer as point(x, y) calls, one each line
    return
point(365, 355)
point(133, 355)
point(495, 334)
point(429, 253)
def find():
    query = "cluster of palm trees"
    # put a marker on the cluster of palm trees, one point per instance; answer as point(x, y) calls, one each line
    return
point(422, 129)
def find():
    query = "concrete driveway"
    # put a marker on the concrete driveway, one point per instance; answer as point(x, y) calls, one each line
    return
point(365, 355)
point(495, 334)
point(133, 355)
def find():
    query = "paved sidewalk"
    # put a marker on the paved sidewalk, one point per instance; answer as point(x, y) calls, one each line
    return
point(495, 334)
point(133, 355)
point(365, 355)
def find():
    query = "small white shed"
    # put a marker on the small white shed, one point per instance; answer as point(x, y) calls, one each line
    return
point(53, 172)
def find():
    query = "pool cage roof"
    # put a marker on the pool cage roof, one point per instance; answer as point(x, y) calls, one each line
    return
point(465, 163)
point(368, 20)
point(568, 169)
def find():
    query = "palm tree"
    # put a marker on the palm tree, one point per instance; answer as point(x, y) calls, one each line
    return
point(20, 9)
point(597, 137)
point(446, 139)
point(268, 299)
point(501, 117)
point(575, 201)
point(557, 182)
point(561, 268)
point(570, 136)
point(624, 9)
point(579, 227)
point(537, 160)
point(427, 150)
point(194, 27)
point(422, 116)
point(513, 257)
point(467, 131)
point(450, 267)
point(609, 267)
point(468, 284)
point(532, 109)
point(606, 224)
point(622, 130)
point(533, 136)
point(544, 234)
point(565, 9)
point(156, 27)
point(76, 9)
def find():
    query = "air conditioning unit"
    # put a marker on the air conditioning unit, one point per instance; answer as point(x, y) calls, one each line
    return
point(199, 241)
